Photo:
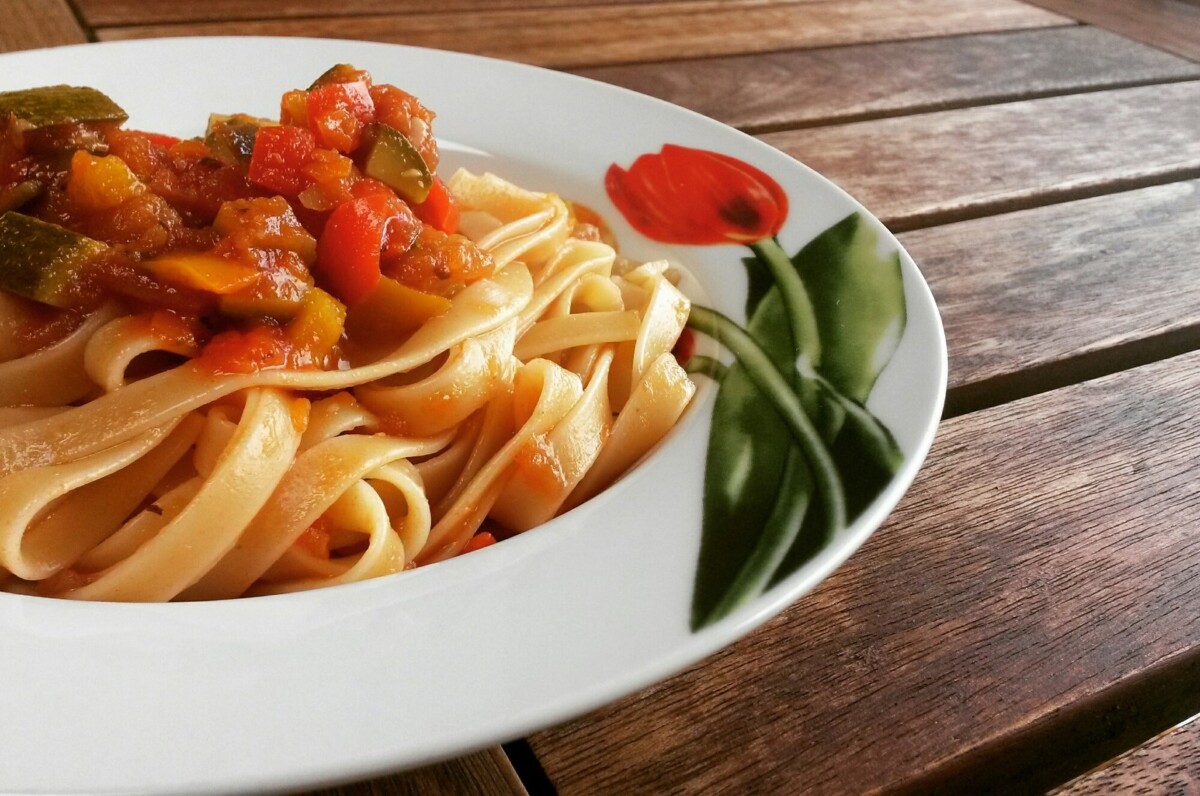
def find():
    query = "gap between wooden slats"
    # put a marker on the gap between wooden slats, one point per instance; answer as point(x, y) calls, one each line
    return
point(1045, 556)
point(926, 169)
point(139, 12)
point(1166, 764)
point(803, 88)
point(657, 31)
point(29, 24)
point(1042, 298)
point(1172, 25)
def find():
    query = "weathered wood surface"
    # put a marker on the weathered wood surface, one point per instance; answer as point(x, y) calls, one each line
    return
point(807, 87)
point(138, 12)
point(935, 168)
point(591, 35)
point(486, 773)
point(1172, 25)
point(1045, 297)
point(1039, 586)
point(1045, 555)
point(29, 24)
point(1170, 763)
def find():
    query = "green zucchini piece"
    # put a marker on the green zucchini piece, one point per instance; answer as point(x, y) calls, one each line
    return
point(12, 197)
point(231, 138)
point(390, 157)
point(338, 73)
point(42, 261)
point(51, 105)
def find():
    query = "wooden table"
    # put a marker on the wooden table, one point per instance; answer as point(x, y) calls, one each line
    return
point(1032, 609)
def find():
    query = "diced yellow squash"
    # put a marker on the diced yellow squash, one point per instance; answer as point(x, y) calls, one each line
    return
point(318, 325)
point(100, 183)
point(391, 310)
point(202, 271)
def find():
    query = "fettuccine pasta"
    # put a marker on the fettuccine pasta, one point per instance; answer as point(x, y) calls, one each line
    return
point(261, 440)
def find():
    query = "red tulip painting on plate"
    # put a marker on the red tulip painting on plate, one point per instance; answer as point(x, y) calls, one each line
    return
point(794, 456)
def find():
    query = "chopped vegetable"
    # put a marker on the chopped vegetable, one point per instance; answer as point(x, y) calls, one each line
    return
point(231, 138)
point(391, 310)
point(341, 73)
point(479, 541)
point(348, 253)
point(101, 183)
point(439, 210)
point(43, 261)
point(279, 157)
point(316, 329)
point(202, 271)
point(54, 105)
point(13, 197)
point(388, 156)
point(337, 114)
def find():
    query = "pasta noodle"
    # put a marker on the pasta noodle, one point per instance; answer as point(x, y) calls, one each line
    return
point(132, 470)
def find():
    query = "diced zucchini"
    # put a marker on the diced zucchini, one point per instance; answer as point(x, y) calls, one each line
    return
point(338, 73)
point(51, 105)
point(231, 138)
point(393, 160)
point(12, 197)
point(42, 261)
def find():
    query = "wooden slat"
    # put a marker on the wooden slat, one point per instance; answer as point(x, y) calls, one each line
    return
point(486, 773)
point(1039, 298)
point(1173, 25)
point(807, 87)
point(139, 12)
point(586, 36)
point(938, 167)
point(29, 24)
point(1045, 555)
point(1169, 763)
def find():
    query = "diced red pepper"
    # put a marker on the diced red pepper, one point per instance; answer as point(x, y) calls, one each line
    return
point(479, 541)
point(439, 210)
point(246, 351)
point(337, 113)
point(279, 157)
point(353, 238)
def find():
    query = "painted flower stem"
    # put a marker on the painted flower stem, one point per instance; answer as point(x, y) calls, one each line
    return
point(797, 306)
point(713, 368)
point(775, 387)
point(778, 535)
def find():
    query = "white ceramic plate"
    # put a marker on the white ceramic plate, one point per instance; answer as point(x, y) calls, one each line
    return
point(360, 680)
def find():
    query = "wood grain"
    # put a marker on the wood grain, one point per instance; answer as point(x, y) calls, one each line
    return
point(486, 773)
point(1169, 763)
point(1173, 25)
point(808, 87)
point(139, 12)
point(1041, 298)
point(29, 24)
point(1045, 555)
point(585, 36)
point(939, 167)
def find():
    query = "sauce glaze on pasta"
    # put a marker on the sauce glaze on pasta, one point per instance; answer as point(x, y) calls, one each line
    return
point(167, 443)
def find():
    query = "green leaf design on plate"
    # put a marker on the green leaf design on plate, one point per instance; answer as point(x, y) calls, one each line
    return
point(857, 294)
point(762, 518)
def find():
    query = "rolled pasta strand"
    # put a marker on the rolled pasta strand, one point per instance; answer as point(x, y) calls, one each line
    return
point(55, 375)
point(538, 386)
point(183, 550)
